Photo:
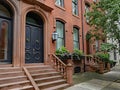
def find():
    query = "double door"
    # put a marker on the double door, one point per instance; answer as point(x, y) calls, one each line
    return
point(34, 44)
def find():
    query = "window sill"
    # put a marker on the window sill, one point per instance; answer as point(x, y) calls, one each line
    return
point(62, 8)
point(76, 16)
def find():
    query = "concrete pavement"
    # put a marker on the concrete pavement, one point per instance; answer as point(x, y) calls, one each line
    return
point(107, 81)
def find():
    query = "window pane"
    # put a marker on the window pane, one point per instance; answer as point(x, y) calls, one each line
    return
point(3, 40)
point(75, 7)
point(59, 29)
point(76, 45)
point(59, 2)
point(60, 43)
point(75, 1)
point(31, 20)
point(76, 38)
point(97, 45)
point(87, 10)
point(75, 34)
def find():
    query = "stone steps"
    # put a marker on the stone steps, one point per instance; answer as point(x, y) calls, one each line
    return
point(47, 78)
point(44, 77)
point(14, 78)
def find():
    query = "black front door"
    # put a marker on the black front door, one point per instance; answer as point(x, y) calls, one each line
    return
point(34, 44)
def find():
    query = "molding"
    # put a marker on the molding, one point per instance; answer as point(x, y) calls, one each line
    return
point(39, 3)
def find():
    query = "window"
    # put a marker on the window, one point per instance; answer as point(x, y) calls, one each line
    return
point(60, 30)
point(97, 45)
point(95, 1)
point(76, 38)
point(59, 3)
point(87, 9)
point(75, 7)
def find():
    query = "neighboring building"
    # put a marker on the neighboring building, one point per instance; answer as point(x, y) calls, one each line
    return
point(90, 46)
point(114, 55)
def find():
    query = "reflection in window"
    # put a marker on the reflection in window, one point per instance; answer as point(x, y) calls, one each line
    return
point(59, 3)
point(97, 45)
point(3, 40)
point(76, 38)
point(75, 7)
point(87, 9)
point(60, 31)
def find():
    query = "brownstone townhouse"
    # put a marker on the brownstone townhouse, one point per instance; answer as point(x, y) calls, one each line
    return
point(28, 43)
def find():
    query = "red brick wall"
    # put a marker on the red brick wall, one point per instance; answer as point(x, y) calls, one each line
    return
point(71, 20)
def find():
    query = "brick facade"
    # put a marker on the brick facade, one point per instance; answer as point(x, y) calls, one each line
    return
point(49, 13)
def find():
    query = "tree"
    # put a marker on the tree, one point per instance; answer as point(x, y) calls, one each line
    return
point(105, 16)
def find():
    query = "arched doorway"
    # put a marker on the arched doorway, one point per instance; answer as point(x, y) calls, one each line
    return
point(6, 33)
point(34, 50)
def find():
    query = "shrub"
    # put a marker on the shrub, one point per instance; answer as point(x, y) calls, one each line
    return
point(77, 54)
point(103, 56)
point(62, 53)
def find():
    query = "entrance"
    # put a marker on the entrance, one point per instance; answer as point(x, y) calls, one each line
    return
point(6, 34)
point(34, 39)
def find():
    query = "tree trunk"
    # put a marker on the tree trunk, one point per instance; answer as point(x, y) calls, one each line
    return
point(119, 46)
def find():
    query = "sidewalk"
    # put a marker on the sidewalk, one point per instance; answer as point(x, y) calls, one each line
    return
point(107, 81)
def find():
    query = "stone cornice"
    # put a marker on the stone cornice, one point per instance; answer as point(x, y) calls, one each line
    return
point(40, 3)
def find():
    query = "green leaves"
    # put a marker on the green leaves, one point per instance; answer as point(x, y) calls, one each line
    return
point(106, 47)
point(105, 15)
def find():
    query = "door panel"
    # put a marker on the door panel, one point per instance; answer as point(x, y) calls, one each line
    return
point(34, 44)
point(5, 41)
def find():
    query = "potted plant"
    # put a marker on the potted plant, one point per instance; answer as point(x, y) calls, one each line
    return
point(63, 53)
point(77, 54)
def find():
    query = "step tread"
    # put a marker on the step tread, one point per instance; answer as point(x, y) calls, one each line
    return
point(47, 78)
point(44, 73)
point(42, 70)
point(11, 72)
point(22, 88)
point(12, 77)
point(57, 87)
point(47, 83)
point(10, 68)
point(14, 83)
point(38, 66)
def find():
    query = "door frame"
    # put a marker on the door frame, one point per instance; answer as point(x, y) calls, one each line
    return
point(44, 17)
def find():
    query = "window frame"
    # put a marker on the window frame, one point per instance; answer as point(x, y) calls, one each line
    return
point(87, 9)
point(59, 37)
point(75, 6)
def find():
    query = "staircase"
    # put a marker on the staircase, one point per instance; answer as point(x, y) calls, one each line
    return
point(47, 78)
point(44, 76)
point(14, 78)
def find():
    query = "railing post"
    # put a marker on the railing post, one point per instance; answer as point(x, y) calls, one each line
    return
point(101, 67)
point(108, 66)
point(69, 70)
